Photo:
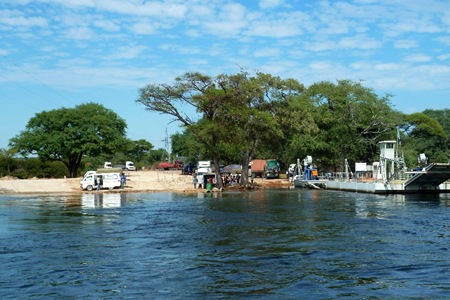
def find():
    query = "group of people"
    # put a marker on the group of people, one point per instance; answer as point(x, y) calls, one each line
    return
point(230, 179)
point(227, 180)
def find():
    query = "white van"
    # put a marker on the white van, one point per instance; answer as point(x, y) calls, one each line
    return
point(107, 165)
point(110, 181)
point(129, 165)
point(89, 173)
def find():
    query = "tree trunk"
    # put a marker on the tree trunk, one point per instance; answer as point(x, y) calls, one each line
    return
point(73, 164)
point(217, 171)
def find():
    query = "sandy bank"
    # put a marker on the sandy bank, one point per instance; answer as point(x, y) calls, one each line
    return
point(140, 181)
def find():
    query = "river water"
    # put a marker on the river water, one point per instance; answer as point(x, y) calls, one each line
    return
point(272, 244)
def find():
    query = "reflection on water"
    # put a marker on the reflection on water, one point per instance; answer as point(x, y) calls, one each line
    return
point(105, 200)
point(276, 244)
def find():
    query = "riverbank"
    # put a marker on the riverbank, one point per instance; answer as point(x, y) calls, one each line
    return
point(139, 181)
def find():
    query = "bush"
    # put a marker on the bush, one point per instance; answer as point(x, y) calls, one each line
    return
point(34, 167)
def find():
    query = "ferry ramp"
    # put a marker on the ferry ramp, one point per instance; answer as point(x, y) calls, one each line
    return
point(430, 178)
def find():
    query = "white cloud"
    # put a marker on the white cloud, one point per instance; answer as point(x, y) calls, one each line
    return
point(325, 40)
point(405, 44)
point(153, 8)
point(267, 52)
point(279, 25)
point(127, 52)
point(230, 19)
point(144, 28)
point(13, 18)
point(266, 4)
point(4, 52)
point(80, 33)
point(358, 42)
point(163, 9)
point(417, 58)
point(444, 57)
point(106, 25)
point(444, 39)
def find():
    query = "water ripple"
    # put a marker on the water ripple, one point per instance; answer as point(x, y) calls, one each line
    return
point(271, 244)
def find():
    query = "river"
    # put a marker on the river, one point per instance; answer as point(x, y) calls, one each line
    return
point(266, 244)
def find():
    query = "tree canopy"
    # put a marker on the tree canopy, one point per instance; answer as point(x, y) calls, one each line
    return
point(237, 113)
point(234, 119)
point(244, 116)
point(67, 134)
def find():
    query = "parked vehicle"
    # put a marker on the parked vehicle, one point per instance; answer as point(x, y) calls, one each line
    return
point(257, 167)
point(89, 173)
point(189, 168)
point(107, 165)
point(272, 169)
point(165, 165)
point(110, 181)
point(129, 165)
point(205, 173)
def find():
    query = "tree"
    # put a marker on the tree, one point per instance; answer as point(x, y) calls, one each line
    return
point(67, 134)
point(255, 122)
point(352, 119)
point(236, 111)
point(424, 134)
point(137, 150)
point(443, 117)
point(185, 145)
point(197, 91)
point(7, 162)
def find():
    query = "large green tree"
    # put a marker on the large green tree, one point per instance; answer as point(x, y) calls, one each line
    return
point(352, 119)
point(67, 134)
point(424, 134)
point(258, 119)
point(235, 113)
point(137, 150)
point(196, 91)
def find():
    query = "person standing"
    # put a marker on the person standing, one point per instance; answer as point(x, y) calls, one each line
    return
point(195, 181)
point(123, 180)
point(98, 181)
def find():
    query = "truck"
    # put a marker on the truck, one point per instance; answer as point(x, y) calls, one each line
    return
point(272, 168)
point(165, 165)
point(129, 165)
point(257, 167)
point(205, 173)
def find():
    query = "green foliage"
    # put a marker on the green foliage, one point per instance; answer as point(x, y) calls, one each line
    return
point(423, 133)
point(260, 116)
point(185, 145)
point(351, 120)
point(67, 134)
point(37, 168)
point(8, 164)
point(153, 157)
point(238, 113)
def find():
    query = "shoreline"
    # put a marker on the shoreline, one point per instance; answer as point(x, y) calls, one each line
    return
point(137, 182)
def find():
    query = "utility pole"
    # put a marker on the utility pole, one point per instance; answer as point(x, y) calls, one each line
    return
point(166, 148)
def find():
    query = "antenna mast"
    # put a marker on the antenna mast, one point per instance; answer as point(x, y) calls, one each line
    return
point(166, 148)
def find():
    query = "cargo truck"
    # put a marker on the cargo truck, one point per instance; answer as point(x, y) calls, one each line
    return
point(257, 167)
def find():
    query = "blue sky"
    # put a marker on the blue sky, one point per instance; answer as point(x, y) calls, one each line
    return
point(56, 53)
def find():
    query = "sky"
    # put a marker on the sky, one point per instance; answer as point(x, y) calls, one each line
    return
point(56, 53)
